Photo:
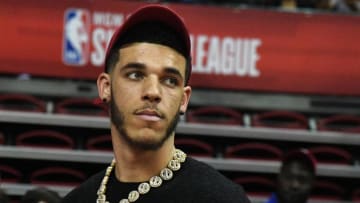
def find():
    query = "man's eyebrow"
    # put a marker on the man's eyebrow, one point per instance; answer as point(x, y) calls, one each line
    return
point(141, 66)
point(174, 71)
point(133, 65)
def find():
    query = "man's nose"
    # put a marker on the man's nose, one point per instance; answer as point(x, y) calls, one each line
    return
point(295, 184)
point(152, 90)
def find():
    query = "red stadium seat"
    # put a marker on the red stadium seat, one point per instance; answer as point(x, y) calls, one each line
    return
point(100, 143)
point(194, 147)
point(9, 174)
point(280, 119)
point(326, 191)
point(256, 186)
point(356, 195)
point(81, 106)
point(215, 115)
point(343, 123)
point(19, 102)
point(57, 176)
point(2, 138)
point(44, 138)
point(255, 151)
point(331, 155)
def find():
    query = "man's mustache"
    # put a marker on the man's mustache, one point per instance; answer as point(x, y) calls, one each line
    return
point(150, 108)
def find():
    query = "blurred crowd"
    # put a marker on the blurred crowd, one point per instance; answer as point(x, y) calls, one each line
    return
point(35, 195)
point(343, 6)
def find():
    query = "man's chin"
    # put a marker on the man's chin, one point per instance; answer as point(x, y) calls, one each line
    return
point(150, 137)
point(147, 144)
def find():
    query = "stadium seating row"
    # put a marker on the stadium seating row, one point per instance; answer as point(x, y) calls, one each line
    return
point(208, 114)
point(46, 138)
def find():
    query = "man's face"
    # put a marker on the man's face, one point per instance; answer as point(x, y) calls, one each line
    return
point(147, 94)
point(295, 183)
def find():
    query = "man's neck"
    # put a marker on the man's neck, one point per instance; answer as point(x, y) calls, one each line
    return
point(137, 165)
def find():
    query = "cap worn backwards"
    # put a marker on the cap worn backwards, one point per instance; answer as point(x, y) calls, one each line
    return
point(148, 18)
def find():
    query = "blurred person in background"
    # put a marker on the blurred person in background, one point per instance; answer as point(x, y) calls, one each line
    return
point(3, 197)
point(296, 177)
point(41, 195)
point(344, 6)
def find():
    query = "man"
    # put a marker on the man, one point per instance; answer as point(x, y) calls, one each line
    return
point(145, 83)
point(40, 195)
point(296, 178)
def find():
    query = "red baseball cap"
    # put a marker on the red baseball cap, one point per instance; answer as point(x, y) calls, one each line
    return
point(153, 12)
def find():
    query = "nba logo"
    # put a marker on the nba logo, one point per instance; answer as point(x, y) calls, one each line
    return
point(76, 37)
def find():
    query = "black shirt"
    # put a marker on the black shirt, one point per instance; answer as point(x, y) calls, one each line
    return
point(195, 182)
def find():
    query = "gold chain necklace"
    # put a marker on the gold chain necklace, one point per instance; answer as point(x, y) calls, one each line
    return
point(144, 187)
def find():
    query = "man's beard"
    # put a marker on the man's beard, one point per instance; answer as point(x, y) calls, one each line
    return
point(117, 118)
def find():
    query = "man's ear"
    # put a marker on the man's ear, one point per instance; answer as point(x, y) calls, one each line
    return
point(104, 87)
point(185, 99)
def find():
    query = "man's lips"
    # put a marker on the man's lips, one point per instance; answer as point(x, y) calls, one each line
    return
point(149, 115)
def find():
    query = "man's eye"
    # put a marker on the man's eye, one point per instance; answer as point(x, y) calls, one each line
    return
point(171, 81)
point(135, 75)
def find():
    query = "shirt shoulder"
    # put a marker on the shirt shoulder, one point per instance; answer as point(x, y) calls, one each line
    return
point(211, 185)
point(86, 192)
